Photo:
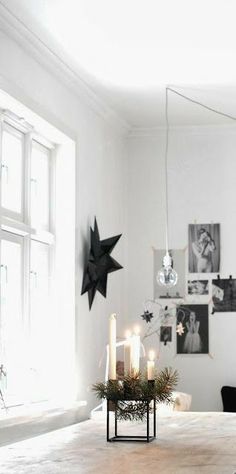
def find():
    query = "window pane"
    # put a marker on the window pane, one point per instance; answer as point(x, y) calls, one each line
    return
point(11, 172)
point(40, 187)
point(11, 349)
point(40, 321)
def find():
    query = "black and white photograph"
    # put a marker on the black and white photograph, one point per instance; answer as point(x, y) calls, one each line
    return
point(224, 294)
point(195, 322)
point(166, 334)
point(204, 248)
point(198, 287)
point(177, 291)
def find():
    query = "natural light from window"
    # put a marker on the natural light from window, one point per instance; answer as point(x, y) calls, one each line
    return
point(37, 308)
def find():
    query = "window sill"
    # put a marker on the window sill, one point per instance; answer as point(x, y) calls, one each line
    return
point(27, 421)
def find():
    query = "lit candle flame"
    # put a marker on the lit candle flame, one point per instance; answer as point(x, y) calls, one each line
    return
point(151, 355)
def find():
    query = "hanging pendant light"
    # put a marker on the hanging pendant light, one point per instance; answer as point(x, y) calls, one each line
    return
point(167, 276)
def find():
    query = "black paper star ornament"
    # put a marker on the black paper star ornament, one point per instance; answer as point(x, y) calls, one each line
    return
point(147, 316)
point(99, 264)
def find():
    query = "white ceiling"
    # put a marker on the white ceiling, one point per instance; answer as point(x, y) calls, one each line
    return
point(128, 50)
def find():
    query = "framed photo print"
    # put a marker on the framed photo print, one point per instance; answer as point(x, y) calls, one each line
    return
point(166, 334)
point(195, 322)
point(204, 248)
point(198, 287)
point(224, 294)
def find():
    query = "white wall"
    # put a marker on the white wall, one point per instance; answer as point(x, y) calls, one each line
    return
point(202, 184)
point(100, 182)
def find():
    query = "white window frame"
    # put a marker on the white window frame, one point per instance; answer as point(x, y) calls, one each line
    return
point(6, 127)
point(16, 226)
point(51, 165)
point(19, 239)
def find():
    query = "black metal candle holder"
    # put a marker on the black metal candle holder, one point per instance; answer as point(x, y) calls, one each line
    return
point(145, 438)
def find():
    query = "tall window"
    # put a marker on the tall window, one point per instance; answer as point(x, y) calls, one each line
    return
point(26, 258)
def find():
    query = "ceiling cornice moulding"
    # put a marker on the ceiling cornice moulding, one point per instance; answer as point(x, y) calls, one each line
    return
point(155, 132)
point(56, 65)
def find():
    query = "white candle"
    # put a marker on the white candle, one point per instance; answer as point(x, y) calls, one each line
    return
point(151, 366)
point(127, 354)
point(112, 347)
point(135, 352)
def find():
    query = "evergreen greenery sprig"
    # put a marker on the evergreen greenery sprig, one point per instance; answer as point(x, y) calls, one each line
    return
point(132, 393)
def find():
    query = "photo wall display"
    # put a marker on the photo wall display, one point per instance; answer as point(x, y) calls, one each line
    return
point(202, 287)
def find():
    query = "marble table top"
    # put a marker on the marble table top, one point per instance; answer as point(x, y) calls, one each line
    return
point(187, 443)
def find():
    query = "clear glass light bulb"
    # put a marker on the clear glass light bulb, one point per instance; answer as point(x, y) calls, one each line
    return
point(167, 276)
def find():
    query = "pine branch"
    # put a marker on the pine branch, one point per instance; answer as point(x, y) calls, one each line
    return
point(132, 394)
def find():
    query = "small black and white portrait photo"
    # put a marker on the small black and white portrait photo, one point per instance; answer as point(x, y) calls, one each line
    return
point(224, 294)
point(195, 338)
point(204, 248)
point(198, 287)
point(165, 334)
